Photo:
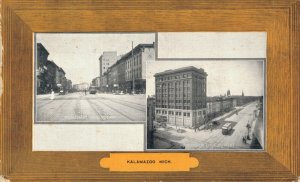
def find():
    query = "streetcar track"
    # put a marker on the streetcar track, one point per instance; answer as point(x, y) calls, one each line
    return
point(131, 119)
point(132, 102)
point(93, 107)
point(39, 106)
point(54, 112)
point(142, 110)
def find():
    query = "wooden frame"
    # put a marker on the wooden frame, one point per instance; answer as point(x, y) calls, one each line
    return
point(280, 19)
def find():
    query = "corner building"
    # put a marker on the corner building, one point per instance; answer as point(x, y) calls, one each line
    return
point(181, 96)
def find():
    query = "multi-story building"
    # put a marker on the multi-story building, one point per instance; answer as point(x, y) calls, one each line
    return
point(69, 85)
point(52, 71)
point(113, 84)
point(129, 72)
point(41, 68)
point(135, 67)
point(181, 96)
point(107, 59)
point(96, 82)
point(218, 105)
point(103, 82)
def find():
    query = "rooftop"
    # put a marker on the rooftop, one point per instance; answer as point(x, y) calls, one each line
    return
point(42, 48)
point(188, 68)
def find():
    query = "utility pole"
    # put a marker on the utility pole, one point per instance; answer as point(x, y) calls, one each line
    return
point(133, 71)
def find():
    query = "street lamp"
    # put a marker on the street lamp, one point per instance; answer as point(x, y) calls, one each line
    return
point(248, 127)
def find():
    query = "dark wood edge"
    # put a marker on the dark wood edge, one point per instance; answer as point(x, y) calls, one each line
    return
point(295, 76)
point(5, 125)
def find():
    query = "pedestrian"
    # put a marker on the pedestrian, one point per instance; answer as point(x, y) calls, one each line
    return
point(84, 91)
point(244, 139)
point(52, 95)
point(195, 128)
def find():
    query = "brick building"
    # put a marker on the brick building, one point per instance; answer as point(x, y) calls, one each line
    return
point(135, 67)
point(129, 71)
point(41, 68)
point(181, 96)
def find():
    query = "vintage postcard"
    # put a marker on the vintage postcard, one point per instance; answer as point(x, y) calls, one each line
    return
point(149, 91)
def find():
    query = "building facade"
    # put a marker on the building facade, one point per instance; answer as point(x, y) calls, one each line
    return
point(103, 83)
point(41, 69)
point(135, 67)
point(81, 87)
point(181, 96)
point(49, 76)
point(107, 59)
point(128, 73)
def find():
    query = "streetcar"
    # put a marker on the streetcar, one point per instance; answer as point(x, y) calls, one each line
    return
point(93, 90)
point(226, 129)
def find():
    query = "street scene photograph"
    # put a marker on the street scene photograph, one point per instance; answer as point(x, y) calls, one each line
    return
point(91, 77)
point(205, 105)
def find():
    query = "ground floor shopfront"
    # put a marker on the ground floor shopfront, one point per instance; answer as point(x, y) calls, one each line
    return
point(179, 117)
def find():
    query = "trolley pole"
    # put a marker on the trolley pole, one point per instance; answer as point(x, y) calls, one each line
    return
point(133, 71)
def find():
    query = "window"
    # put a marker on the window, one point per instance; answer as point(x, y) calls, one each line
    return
point(188, 114)
point(184, 114)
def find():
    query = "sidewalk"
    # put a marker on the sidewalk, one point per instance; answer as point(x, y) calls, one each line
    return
point(45, 96)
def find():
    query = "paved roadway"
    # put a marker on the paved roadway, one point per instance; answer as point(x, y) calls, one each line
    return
point(78, 107)
point(207, 139)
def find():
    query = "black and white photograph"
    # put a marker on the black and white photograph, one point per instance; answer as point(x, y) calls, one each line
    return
point(205, 104)
point(91, 78)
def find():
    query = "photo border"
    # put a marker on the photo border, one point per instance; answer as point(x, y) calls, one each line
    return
point(280, 19)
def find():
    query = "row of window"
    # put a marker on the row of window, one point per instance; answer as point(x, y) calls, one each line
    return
point(187, 89)
point(137, 73)
point(137, 60)
point(176, 95)
point(174, 107)
point(177, 113)
point(188, 75)
point(176, 101)
point(176, 84)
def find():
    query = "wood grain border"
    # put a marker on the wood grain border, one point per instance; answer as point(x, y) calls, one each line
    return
point(280, 19)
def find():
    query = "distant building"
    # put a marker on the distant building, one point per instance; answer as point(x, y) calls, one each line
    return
point(81, 87)
point(107, 59)
point(69, 85)
point(181, 96)
point(218, 105)
point(228, 93)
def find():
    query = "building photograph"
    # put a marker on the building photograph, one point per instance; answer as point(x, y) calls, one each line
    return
point(92, 77)
point(201, 105)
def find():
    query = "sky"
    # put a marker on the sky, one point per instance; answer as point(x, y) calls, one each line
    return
point(78, 54)
point(237, 76)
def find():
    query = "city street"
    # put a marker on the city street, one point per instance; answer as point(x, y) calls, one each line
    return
point(100, 107)
point(212, 138)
